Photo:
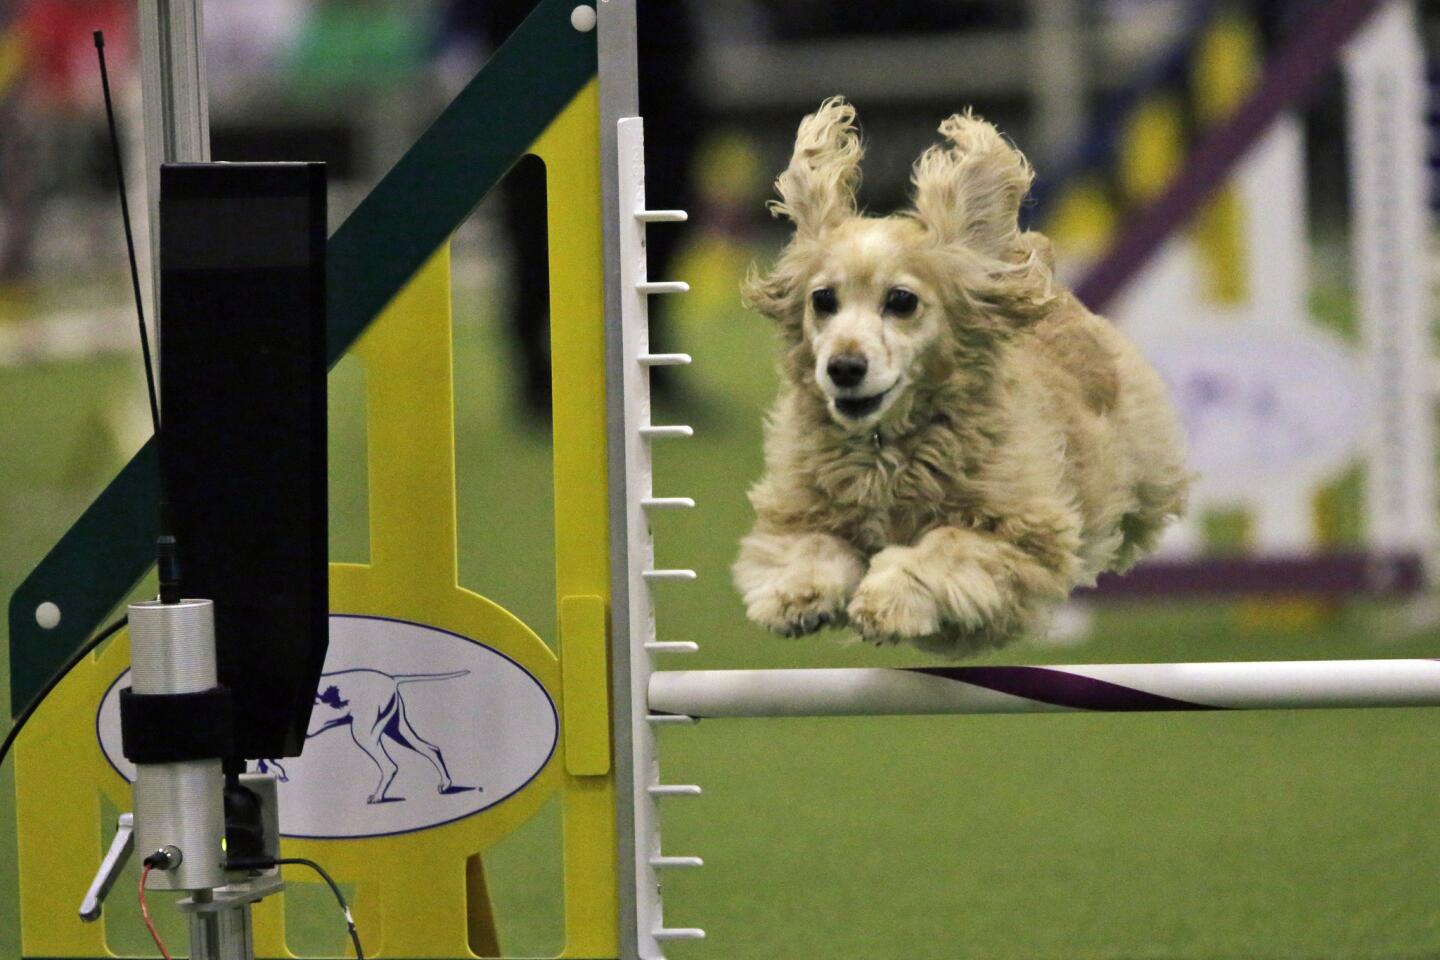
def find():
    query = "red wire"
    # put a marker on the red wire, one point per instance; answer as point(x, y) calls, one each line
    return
point(145, 913)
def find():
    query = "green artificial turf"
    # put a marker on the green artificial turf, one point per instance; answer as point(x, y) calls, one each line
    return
point(1265, 835)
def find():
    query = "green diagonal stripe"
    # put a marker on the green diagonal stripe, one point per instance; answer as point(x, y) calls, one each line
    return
point(408, 215)
point(95, 565)
point(465, 153)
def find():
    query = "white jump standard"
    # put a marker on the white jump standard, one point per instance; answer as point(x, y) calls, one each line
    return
point(644, 696)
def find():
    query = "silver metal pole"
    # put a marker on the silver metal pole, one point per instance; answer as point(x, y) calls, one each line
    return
point(179, 807)
point(176, 103)
point(177, 129)
point(1276, 685)
point(221, 932)
point(619, 97)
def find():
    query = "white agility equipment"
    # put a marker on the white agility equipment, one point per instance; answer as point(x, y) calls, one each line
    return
point(1276, 405)
point(645, 697)
point(876, 691)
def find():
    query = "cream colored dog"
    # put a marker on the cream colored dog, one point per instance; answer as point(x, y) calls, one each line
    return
point(957, 442)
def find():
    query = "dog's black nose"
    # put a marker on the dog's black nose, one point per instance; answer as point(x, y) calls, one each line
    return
point(847, 370)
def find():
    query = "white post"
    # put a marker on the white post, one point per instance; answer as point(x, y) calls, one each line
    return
point(644, 645)
point(1277, 252)
point(1385, 94)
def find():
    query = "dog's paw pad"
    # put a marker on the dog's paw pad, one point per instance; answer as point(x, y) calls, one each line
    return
point(808, 623)
point(891, 606)
point(796, 613)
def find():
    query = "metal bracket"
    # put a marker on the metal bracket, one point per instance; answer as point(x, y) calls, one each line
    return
point(110, 869)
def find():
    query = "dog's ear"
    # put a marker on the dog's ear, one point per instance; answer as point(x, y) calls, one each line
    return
point(967, 196)
point(969, 191)
point(776, 293)
point(817, 190)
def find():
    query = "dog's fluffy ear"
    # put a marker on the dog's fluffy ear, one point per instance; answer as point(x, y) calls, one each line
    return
point(967, 196)
point(817, 190)
point(969, 191)
point(776, 293)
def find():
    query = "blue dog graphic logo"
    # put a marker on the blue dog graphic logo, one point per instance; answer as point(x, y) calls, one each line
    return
point(449, 727)
point(372, 705)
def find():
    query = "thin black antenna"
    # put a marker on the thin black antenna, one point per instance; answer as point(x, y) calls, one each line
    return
point(129, 235)
point(167, 551)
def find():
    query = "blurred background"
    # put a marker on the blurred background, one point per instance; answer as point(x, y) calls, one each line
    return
point(1268, 835)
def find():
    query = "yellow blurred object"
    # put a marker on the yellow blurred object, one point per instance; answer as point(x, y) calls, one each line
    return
point(1084, 220)
point(728, 170)
point(730, 182)
point(1152, 148)
point(1219, 234)
point(713, 265)
point(12, 60)
point(17, 302)
point(1292, 614)
point(1226, 65)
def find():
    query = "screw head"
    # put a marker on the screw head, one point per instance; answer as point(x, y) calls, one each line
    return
point(47, 615)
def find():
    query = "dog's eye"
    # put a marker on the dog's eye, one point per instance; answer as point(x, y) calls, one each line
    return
point(901, 302)
point(823, 300)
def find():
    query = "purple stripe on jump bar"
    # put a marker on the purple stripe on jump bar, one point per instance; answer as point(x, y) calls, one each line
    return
point(1062, 689)
point(1293, 74)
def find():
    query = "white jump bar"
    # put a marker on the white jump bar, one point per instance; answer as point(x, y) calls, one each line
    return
point(1273, 685)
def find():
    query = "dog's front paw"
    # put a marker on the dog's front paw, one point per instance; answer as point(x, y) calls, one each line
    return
point(796, 585)
point(796, 606)
point(891, 604)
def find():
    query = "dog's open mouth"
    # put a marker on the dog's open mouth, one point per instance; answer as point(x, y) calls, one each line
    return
point(857, 408)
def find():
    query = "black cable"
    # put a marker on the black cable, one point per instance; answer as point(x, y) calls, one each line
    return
point(54, 682)
point(167, 552)
point(335, 889)
point(265, 863)
point(129, 236)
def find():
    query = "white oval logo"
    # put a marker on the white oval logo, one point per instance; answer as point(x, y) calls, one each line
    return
point(413, 727)
point(1261, 404)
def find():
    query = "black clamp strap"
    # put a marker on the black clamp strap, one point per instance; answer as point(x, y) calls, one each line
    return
point(174, 727)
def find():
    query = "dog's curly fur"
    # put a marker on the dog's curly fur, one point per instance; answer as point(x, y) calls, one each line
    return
point(1004, 444)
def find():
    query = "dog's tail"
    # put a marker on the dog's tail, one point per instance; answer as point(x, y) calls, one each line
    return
point(419, 677)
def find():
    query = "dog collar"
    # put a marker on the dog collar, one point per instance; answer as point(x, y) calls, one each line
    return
point(877, 438)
